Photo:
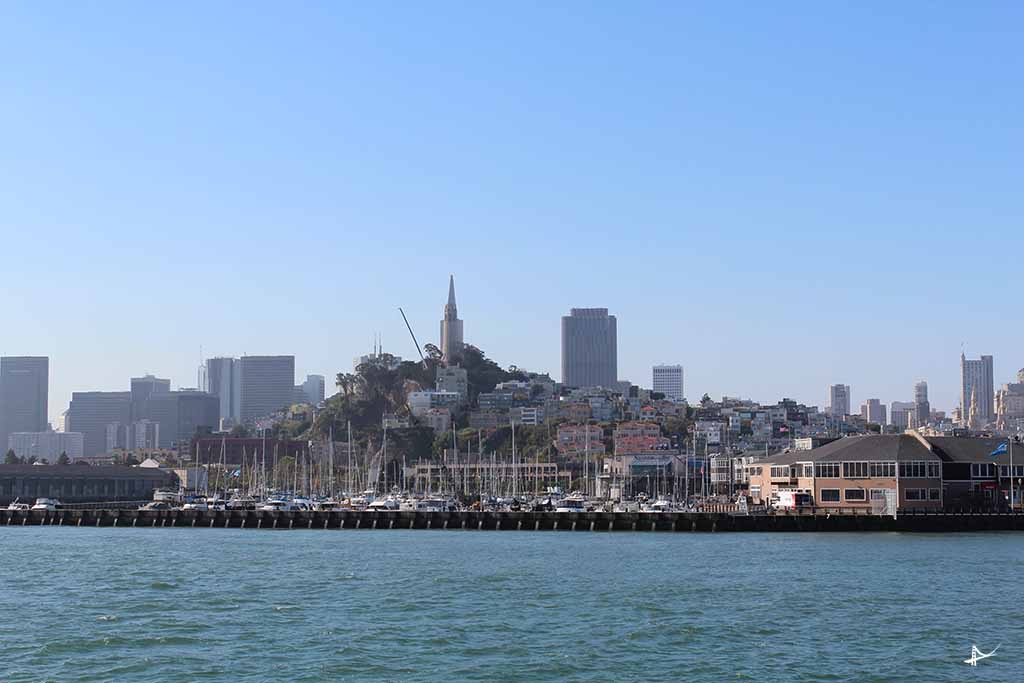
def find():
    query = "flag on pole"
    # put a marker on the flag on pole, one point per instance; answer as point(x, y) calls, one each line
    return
point(1000, 450)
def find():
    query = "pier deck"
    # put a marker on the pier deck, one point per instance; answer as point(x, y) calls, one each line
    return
point(514, 521)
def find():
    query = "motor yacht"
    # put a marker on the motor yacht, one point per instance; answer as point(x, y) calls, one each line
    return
point(48, 504)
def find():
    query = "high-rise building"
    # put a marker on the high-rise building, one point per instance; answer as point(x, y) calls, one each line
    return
point(46, 445)
point(180, 416)
point(901, 414)
point(90, 413)
point(976, 379)
point(223, 380)
point(668, 380)
point(142, 389)
point(873, 411)
point(267, 385)
point(312, 390)
point(838, 400)
point(922, 408)
point(589, 348)
point(451, 326)
point(24, 394)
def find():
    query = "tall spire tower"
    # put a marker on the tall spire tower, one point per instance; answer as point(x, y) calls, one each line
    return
point(451, 326)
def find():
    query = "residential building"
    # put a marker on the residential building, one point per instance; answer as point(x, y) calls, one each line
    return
point(668, 380)
point(224, 380)
point(1010, 404)
point(438, 419)
point(527, 415)
point(901, 413)
point(873, 411)
point(267, 385)
point(46, 445)
point(838, 400)
point(453, 378)
point(422, 401)
point(91, 411)
point(24, 394)
point(589, 348)
point(976, 385)
point(451, 327)
point(579, 439)
point(634, 438)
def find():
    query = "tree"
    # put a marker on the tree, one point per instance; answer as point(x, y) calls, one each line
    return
point(11, 458)
point(64, 459)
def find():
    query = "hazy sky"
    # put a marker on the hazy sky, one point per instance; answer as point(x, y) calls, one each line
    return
point(776, 195)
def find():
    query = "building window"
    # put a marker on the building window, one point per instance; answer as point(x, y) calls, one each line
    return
point(933, 494)
point(755, 491)
point(808, 471)
point(826, 470)
point(854, 495)
point(830, 495)
point(781, 472)
point(920, 470)
point(881, 470)
point(878, 494)
point(855, 470)
point(914, 494)
point(934, 470)
point(982, 470)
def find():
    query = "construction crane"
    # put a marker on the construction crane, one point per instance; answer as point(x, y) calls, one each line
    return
point(411, 334)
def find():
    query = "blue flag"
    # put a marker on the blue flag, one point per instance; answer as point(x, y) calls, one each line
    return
point(1001, 449)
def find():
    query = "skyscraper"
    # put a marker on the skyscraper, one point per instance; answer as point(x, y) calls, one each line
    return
point(838, 400)
point(451, 326)
point(976, 378)
point(267, 385)
point(873, 411)
point(223, 380)
point(92, 411)
point(144, 388)
point(668, 380)
point(901, 414)
point(24, 395)
point(922, 408)
point(313, 389)
point(589, 348)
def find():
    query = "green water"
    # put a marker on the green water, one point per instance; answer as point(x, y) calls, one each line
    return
point(163, 605)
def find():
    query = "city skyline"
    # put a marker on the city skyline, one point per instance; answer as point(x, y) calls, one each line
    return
point(750, 189)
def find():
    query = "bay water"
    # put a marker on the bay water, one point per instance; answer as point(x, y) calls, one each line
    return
point(174, 605)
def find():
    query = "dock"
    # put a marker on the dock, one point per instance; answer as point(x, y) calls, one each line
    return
point(937, 522)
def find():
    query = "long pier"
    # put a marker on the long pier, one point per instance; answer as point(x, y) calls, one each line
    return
point(514, 521)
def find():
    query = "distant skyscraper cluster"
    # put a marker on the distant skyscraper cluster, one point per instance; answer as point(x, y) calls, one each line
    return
point(24, 395)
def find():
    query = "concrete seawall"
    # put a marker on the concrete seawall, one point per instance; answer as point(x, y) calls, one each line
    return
point(515, 521)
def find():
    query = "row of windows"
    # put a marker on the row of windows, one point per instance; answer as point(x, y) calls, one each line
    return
point(921, 469)
point(921, 494)
point(982, 470)
point(860, 495)
point(877, 470)
point(1018, 471)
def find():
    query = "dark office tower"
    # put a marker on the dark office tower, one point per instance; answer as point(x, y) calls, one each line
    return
point(181, 414)
point(267, 385)
point(223, 380)
point(589, 348)
point(24, 395)
point(92, 411)
point(144, 388)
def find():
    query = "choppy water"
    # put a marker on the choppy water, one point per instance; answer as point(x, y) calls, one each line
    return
point(179, 605)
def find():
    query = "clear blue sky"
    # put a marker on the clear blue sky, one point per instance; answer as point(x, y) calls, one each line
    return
point(777, 195)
